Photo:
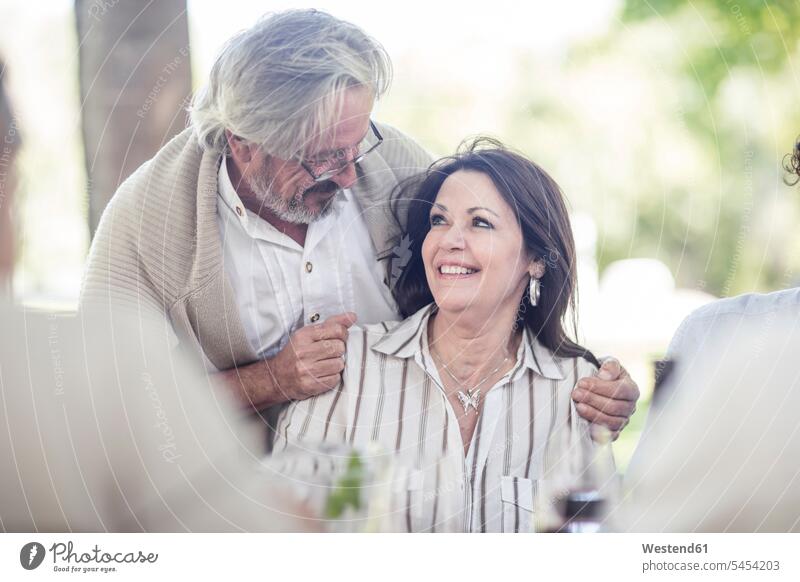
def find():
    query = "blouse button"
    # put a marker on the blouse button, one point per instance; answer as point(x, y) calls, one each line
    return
point(315, 318)
point(239, 211)
point(309, 267)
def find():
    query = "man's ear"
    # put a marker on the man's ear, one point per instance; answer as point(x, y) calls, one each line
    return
point(537, 269)
point(241, 150)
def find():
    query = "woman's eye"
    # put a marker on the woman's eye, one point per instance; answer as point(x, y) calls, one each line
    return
point(437, 219)
point(481, 222)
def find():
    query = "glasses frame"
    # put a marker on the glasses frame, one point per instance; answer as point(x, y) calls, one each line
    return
point(328, 174)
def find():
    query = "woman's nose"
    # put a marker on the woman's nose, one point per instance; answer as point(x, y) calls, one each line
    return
point(452, 239)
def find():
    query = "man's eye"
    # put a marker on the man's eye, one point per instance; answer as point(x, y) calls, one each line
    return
point(317, 161)
point(481, 222)
point(437, 219)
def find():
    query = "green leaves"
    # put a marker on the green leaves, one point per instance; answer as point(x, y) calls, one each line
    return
point(347, 491)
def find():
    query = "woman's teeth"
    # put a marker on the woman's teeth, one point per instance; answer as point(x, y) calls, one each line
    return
point(453, 270)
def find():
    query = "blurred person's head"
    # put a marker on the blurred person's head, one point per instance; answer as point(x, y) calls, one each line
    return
point(482, 224)
point(289, 101)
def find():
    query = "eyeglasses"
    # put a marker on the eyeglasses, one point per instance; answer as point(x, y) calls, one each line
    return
point(337, 162)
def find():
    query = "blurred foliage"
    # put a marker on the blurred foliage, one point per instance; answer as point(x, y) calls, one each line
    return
point(746, 32)
point(668, 129)
point(730, 67)
point(347, 490)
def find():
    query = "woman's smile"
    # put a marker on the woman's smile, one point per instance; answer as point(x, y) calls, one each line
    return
point(450, 271)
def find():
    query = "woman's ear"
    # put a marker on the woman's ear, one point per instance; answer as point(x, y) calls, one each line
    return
point(537, 269)
point(241, 150)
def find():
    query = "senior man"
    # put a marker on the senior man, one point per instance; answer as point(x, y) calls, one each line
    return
point(265, 230)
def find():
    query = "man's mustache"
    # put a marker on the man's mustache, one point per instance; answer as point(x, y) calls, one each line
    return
point(326, 187)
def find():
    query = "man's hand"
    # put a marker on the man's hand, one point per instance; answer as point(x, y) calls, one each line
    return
point(609, 398)
point(313, 360)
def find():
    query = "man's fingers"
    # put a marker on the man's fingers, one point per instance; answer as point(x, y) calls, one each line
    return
point(624, 389)
point(320, 384)
point(334, 327)
point(607, 402)
point(325, 331)
point(308, 354)
point(327, 367)
point(327, 382)
point(609, 406)
point(614, 423)
point(610, 369)
point(332, 348)
point(346, 319)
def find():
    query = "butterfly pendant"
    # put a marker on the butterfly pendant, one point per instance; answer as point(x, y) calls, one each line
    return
point(469, 399)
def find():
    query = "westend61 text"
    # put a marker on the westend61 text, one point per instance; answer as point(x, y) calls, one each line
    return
point(96, 555)
point(670, 549)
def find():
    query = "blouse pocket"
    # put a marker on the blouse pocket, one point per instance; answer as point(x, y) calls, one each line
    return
point(517, 494)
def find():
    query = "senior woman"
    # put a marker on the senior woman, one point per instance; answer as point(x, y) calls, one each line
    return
point(472, 391)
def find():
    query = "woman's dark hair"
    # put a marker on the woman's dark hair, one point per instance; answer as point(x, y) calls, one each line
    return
point(541, 212)
point(791, 164)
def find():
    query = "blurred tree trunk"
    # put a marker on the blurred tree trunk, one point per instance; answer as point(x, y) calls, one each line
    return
point(9, 147)
point(135, 82)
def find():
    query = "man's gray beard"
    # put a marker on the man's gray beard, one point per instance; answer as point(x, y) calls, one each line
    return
point(293, 210)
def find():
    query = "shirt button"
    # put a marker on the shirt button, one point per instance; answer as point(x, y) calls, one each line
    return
point(309, 267)
point(315, 318)
point(239, 211)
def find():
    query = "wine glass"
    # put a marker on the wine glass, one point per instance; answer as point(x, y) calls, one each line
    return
point(580, 485)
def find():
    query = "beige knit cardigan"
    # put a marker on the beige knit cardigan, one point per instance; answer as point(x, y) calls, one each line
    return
point(158, 250)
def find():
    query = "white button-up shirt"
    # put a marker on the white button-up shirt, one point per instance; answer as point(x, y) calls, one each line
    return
point(391, 394)
point(726, 316)
point(281, 286)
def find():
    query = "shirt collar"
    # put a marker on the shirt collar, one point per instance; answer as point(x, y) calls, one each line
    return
point(228, 193)
point(408, 338)
point(405, 340)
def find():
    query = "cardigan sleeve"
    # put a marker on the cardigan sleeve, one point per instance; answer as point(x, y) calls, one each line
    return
point(115, 273)
point(144, 243)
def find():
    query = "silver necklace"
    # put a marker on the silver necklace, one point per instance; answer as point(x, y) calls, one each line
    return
point(472, 396)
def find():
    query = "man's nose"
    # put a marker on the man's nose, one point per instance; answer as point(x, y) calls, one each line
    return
point(346, 177)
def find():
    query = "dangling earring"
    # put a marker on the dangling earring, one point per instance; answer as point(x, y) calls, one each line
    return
point(535, 286)
point(534, 291)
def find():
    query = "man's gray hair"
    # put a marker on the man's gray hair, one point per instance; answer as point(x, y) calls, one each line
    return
point(280, 83)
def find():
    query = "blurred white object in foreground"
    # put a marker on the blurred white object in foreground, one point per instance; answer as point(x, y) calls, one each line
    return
point(721, 453)
point(105, 429)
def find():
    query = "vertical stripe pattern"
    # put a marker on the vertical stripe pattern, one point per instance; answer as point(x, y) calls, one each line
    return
point(390, 395)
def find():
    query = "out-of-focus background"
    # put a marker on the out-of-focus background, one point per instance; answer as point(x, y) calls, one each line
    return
point(665, 123)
